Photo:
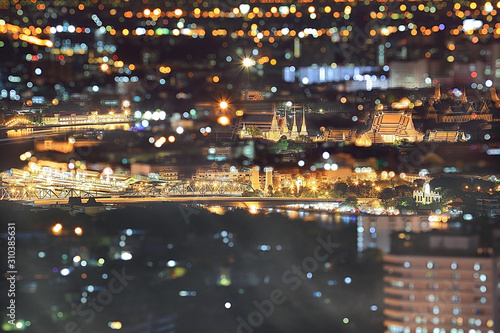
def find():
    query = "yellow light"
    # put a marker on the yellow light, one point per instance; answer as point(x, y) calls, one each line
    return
point(239, 113)
point(115, 325)
point(78, 231)
point(215, 79)
point(147, 12)
point(55, 101)
point(171, 139)
point(178, 12)
point(57, 228)
point(253, 209)
point(104, 67)
point(223, 120)
point(223, 105)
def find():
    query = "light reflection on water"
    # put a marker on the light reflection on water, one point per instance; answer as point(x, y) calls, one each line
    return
point(325, 220)
point(17, 133)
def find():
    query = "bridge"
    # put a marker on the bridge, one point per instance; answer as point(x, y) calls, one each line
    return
point(33, 190)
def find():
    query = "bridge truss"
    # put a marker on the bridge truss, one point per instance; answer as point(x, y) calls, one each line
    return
point(143, 189)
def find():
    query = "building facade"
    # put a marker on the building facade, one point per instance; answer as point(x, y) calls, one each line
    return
point(452, 290)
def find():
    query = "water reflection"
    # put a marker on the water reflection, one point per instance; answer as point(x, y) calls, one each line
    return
point(35, 131)
point(325, 220)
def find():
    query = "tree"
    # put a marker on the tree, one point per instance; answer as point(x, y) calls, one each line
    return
point(403, 191)
point(350, 201)
point(281, 145)
point(340, 190)
point(406, 203)
point(270, 190)
point(254, 131)
point(386, 195)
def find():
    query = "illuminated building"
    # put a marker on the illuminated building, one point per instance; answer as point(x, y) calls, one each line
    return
point(254, 176)
point(244, 133)
point(274, 132)
point(303, 128)
point(391, 126)
point(66, 118)
point(426, 196)
point(461, 110)
point(294, 134)
point(446, 136)
point(339, 135)
point(269, 177)
point(442, 283)
point(284, 126)
point(223, 173)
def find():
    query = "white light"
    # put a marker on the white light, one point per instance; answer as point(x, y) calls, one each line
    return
point(326, 155)
point(19, 325)
point(179, 130)
point(208, 129)
point(145, 123)
point(327, 166)
point(347, 280)
point(171, 263)
point(227, 305)
point(244, 8)
point(334, 166)
point(126, 255)
point(38, 71)
point(488, 83)
point(301, 163)
point(248, 62)
point(65, 271)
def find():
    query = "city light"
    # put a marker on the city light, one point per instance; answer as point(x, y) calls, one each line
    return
point(78, 231)
point(223, 105)
point(56, 229)
point(223, 120)
point(248, 62)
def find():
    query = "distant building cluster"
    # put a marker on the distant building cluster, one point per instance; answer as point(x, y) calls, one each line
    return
point(68, 118)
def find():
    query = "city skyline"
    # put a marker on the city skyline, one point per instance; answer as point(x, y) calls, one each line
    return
point(250, 166)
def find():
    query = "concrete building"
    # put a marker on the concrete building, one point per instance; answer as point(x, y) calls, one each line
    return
point(441, 283)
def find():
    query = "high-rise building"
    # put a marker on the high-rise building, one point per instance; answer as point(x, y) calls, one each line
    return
point(441, 283)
